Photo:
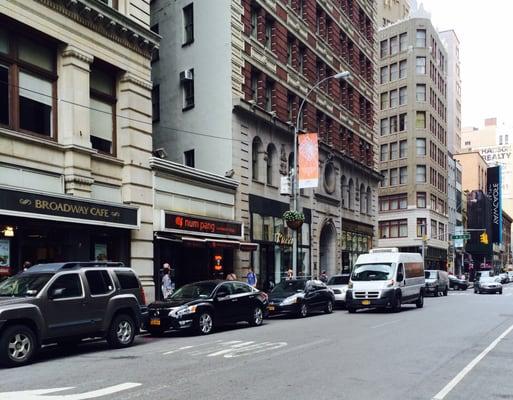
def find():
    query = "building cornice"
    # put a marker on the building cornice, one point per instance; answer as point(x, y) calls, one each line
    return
point(192, 174)
point(108, 22)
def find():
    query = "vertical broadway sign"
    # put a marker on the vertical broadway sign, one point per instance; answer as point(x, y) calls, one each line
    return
point(494, 194)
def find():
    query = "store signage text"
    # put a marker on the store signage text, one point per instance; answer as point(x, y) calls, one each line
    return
point(494, 194)
point(202, 225)
point(280, 238)
point(71, 208)
point(496, 153)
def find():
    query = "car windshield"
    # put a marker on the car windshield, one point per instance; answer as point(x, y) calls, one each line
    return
point(372, 272)
point(487, 279)
point(430, 274)
point(194, 291)
point(24, 285)
point(339, 280)
point(288, 287)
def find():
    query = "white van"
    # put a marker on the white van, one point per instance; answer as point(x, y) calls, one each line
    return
point(386, 278)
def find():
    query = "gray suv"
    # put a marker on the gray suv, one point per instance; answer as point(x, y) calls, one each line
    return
point(66, 302)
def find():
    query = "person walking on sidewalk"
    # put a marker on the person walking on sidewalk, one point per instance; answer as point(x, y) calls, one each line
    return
point(251, 277)
point(167, 283)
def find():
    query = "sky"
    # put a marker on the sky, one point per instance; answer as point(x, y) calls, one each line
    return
point(486, 55)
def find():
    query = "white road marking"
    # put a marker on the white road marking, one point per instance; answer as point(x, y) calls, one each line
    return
point(190, 347)
point(458, 378)
point(46, 394)
point(235, 346)
point(385, 324)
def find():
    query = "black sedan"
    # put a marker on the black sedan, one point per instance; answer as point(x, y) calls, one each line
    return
point(458, 283)
point(300, 297)
point(201, 306)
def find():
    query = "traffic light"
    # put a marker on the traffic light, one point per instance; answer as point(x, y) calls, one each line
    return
point(483, 238)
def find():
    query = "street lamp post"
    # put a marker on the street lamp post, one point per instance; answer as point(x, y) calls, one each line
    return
point(295, 183)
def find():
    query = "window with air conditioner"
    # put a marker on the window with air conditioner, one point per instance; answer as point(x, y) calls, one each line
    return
point(187, 82)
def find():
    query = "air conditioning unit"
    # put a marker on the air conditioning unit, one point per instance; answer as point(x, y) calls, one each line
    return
point(187, 75)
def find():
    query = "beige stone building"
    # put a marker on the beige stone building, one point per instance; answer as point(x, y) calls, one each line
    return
point(413, 139)
point(390, 11)
point(75, 132)
point(473, 168)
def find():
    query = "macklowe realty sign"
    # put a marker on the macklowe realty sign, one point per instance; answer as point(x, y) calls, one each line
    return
point(493, 190)
point(503, 156)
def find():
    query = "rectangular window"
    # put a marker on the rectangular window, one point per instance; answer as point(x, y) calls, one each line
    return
point(420, 38)
point(421, 227)
point(403, 41)
point(269, 96)
point(403, 175)
point(420, 176)
point(188, 158)
point(403, 122)
point(99, 282)
point(102, 110)
point(384, 129)
point(393, 150)
point(420, 66)
point(421, 199)
point(394, 177)
point(383, 152)
point(254, 87)
point(441, 231)
point(402, 69)
point(301, 60)
point(432, 202)
point(420, 120)
point(403, 149)
point(384, 182)
point(384, 101)
point(394, 72)
point(4, 94)
point(433, 228)
point(393, 124)
point(268, 33)
point(394, 45)
point(393, 229)
point(421, 146)
point(383, 75)
point(392, 203)
point(420, 92)
point(155, 103)
point(402, 96)
point(290, 49)
point(188, 89)
point(188, 24)
point(36, 104)
point(383, 48)
point(254, 22)
point(394, 101)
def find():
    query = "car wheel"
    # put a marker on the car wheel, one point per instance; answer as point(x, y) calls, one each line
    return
point(204, 323)
point(17, 346)
point(257, 317)
point(420, 301)
point(329, 307)
point(121, 331)
point(446, 291)
point(500, 291)
point(437, 291)
point(396, 304)
point(351, 310)
point(156, 331)
point(303, 310)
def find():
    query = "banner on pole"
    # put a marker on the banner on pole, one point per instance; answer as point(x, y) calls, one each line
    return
point(308, 160)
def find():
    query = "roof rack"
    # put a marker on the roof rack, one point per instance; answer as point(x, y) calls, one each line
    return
point(82, 264)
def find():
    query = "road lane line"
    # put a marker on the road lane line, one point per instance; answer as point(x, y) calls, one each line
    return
point(458, 378)
point(385, 324)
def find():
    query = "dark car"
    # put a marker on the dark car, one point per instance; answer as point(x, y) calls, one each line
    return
point(201, 306)
point(488, 284)
point(458, 283)
point(300, 297)
point(66, 302)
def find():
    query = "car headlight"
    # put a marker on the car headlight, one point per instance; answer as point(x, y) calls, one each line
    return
point(181, 311)
point(290, 300)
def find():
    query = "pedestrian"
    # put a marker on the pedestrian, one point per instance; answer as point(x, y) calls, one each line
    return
point(167, 283)
point(251, 277)
point(290, 274)
point(324, 276)
point(231, 277)
point(26, 265)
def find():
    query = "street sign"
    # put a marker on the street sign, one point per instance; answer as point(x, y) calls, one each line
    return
point(464, 236)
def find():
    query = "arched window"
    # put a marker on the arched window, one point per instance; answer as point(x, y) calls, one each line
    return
point(344, 192)
point(256, 150)
point(350, 194)
point(369, 200)
point(363, 202)
point(271, 167)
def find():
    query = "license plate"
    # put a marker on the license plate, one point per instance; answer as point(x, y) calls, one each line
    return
point(270, 308)
point(365, 302)
point(155, 322)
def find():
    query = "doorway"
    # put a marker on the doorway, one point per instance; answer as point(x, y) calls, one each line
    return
point(327, 249)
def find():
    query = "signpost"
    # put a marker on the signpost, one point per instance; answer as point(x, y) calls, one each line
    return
point(464, 236)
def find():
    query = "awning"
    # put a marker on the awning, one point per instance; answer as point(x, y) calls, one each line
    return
point(192, 241)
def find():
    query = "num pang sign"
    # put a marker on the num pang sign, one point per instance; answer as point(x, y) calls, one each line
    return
point(203, 226)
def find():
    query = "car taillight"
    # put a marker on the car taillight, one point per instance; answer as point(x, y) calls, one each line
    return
point(143, 296)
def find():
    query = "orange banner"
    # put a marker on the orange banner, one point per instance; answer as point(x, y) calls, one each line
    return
point(308, 160)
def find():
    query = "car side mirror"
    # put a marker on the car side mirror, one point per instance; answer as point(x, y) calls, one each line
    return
point(221, 293)
point(56, 293)
point(400, 277)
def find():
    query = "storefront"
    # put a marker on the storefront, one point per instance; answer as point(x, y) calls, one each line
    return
point(356, 239)
point(41, 228)
point(196, 247)
point(275, 241)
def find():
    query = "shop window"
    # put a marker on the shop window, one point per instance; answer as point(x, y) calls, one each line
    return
point(127, 279)
point(102, 112)
point(66, 286)
point(99, 282)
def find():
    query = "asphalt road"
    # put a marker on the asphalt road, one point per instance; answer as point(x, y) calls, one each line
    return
point(413, 354)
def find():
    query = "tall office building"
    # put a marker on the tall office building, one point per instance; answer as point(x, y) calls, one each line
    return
point(390, 11)
point(413, 139)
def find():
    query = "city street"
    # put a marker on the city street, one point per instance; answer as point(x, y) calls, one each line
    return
point(368, 355)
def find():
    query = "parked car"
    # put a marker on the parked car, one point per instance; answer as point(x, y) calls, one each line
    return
point(437, 282)
point(458, 283)
point(487, 284)
point(300, 297)
point(504, 277)
point(201, 306)
point(386, 278)
point(66, 302)
point(510, 276)
point(484, 273)
point(339, 283)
